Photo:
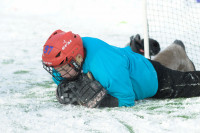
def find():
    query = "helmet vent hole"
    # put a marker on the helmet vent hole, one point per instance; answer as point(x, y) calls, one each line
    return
point(49, 37)
point(61, 62)
point(74, 36)
point(54, 33)
point(58, 54)
point(66, 59)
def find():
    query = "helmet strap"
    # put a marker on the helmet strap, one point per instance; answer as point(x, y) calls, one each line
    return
point(75, 65)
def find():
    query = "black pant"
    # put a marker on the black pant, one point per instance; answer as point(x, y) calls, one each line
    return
point(175, 84)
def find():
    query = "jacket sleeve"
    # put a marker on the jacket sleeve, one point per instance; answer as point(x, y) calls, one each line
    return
point(109, 101)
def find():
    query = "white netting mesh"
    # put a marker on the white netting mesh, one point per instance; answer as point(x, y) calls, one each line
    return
point(169, 20)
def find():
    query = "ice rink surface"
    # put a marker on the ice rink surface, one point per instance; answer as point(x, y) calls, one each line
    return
point(27, 92)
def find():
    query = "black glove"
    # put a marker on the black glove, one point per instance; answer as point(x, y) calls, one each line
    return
point(64, 95)
point(88, 91)
point(137, 45)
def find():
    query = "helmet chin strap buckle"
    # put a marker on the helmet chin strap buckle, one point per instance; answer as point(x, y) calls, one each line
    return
point(75, 65)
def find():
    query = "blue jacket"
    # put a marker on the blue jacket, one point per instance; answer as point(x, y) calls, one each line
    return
point(126, 75)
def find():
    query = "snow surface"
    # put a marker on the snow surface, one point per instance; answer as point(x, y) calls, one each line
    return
point(27, 92)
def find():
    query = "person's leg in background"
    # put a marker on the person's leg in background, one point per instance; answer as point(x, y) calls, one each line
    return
point(175, 84)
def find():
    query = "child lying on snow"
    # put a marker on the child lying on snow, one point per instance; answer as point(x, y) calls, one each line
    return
point(92, 73)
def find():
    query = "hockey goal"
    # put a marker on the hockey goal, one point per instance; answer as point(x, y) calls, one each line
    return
point(168, 20)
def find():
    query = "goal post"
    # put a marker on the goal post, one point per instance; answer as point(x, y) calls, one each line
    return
point(168, 20)
point(146, 37)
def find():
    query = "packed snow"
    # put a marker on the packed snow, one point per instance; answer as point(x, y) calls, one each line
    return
point(27, 92)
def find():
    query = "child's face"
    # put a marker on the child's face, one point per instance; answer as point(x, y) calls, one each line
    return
point(66, 71)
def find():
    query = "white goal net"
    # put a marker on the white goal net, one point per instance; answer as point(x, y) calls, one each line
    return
point(169, 20)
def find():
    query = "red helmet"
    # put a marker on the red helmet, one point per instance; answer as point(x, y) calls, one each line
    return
point(61, 47)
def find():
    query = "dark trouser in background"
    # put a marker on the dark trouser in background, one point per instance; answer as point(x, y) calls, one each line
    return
point(175, 84)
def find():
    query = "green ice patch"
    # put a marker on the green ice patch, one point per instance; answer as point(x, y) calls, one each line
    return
point(45, 84)
point(128, 127)
point(9, 61)
point(21, 72)
point(123, 22)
